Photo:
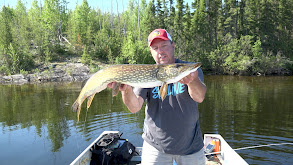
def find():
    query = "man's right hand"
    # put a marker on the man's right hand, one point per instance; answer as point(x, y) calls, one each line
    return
point(133, 102)
point(122, 87)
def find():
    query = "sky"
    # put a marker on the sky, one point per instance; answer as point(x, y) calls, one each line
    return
point(104, 5)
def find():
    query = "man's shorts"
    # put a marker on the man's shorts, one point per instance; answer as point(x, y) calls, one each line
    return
point(152, 156)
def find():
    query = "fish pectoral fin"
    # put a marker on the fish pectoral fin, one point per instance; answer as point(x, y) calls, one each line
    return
point(163, 91)
point(115, 89)
point(89, 100)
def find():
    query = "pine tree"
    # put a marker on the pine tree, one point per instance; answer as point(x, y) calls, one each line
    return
point(6, 28)
point(285, 27)
point(251, 17)
point(178, 32)
point(34, 16)
point(160, 15)
point(178, 18)
point(6, 37)
point(149, 19)
point(170, 21)
point(213, 12)
point(21, 28)
point(187, 37)
point(50, 15)
point(230, 24)
point(22, 39)
point(200, 31)
point(267, 28)
point(144, 20)
point(83, 21)
point(165, 15)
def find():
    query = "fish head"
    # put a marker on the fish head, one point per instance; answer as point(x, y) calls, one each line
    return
point(171, 73)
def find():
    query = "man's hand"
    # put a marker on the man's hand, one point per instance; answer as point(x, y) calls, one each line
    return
point(133, 102)
point(122, 87)
point(189, 78)
point(196, 88)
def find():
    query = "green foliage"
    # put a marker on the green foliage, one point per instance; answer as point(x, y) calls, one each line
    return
point(85, 58)
point(23, 72)
point(267, 64)
point(94, 68)
point(238, 56)
point(4, 70)
point(6, 24)
point(101, 46)
point(82, 22)
point(228, 37)
point(15, 60)
point(134, 52)
point(234, 57)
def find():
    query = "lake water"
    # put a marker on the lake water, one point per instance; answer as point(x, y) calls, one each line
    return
point(38, 126)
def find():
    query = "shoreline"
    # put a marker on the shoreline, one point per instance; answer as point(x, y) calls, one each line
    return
point(65, 72)
point(56, 72)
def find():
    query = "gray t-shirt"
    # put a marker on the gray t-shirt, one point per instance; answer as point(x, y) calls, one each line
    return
point(172, 126)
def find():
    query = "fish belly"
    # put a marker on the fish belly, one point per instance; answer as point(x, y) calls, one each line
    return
point(149, 84)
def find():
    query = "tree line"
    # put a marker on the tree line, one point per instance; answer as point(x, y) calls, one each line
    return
point(237, 37)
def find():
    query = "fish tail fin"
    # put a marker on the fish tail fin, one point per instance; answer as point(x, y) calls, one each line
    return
point(76, 107)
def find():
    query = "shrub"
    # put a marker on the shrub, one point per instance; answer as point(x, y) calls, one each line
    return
point(271, 64)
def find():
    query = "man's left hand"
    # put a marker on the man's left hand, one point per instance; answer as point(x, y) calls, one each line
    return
point(189, 78)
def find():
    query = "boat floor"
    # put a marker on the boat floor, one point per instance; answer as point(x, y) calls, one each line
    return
point(215, 160)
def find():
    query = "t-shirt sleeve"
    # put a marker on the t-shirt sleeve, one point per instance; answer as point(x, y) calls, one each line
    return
point(142, 92)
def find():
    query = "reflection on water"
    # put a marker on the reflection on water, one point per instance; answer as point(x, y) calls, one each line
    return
point(38, 126)
point(250, 111)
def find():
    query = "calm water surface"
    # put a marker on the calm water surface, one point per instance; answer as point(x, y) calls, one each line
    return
point(38, 126)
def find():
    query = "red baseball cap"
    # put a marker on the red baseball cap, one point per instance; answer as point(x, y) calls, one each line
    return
point(159, 33)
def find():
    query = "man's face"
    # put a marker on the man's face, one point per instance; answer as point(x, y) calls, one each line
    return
point(163, 51)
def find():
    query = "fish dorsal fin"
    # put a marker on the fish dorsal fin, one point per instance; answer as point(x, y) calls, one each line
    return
point(115, 89)
point(89, 100)
point(164, 91)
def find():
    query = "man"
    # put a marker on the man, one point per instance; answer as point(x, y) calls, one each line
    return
point(171, 127)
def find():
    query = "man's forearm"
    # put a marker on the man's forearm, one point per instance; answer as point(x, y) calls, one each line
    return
point(197, 90)
point(133, 102)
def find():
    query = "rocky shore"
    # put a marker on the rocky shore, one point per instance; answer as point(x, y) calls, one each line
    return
point(62, 72)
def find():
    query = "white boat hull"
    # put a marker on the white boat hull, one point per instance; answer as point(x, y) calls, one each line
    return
point(226, 155)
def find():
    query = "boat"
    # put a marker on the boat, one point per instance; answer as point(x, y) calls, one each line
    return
point(224, 154)
point(217, 151)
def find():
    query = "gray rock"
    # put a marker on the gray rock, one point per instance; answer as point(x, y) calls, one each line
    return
point(21, 81)
point(7, 78)
point(17, 77)
point(32, 78)
point(57, 73)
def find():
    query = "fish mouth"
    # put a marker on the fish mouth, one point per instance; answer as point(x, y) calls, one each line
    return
point(196, 65)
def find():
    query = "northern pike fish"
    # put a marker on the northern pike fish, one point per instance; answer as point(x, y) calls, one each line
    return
point(135, 75)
